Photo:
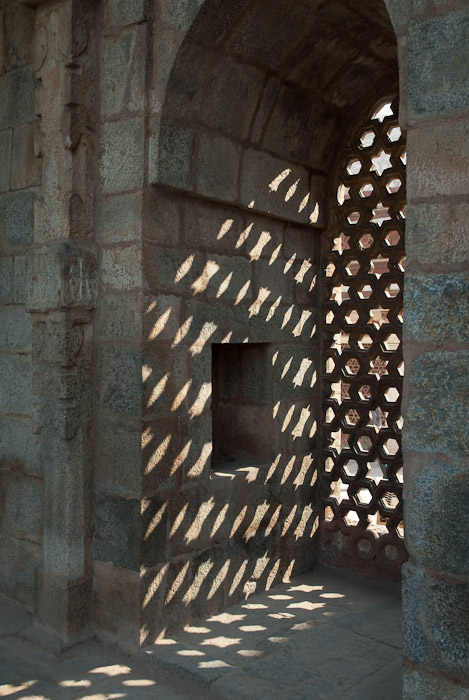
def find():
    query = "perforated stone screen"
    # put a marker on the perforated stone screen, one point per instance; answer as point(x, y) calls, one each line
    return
point(363, 362)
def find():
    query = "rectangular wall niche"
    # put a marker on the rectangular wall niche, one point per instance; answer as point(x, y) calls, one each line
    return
point(242, 422)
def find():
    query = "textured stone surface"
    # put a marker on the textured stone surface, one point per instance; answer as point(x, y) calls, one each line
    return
point(426, 684)
point(438, 500)
point(180, 15)
point(436, 307)
point(437, 232)
point(5, 159)
point(15, 379)
point(16, 220)
point(435, 620)
point(437, 71)
point(25, 166)
point(19, 560)
point(122, 73)
point(120, 317)
point(437, 416)
point(22, 512)
point(15, 329)
point(17, 104)
point(121, 166)
point(438, 160)
point(118, 455)
point(217, 167)
point(6, 280)
point(265, 186)
point(121, 267)
point(123, 12)
point(117, 530)
point(119, 218)
point(19, 446)
point(171, 147)
point(120, 380)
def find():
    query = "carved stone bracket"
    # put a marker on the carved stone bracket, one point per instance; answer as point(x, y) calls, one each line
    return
point(62, 276)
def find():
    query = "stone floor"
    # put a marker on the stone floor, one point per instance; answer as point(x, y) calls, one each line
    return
point(325, 636)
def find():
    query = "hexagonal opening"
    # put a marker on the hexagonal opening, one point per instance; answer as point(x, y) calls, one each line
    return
point(351, 317)
point(391, 394)
point(364, 392)
point(394, 185)
point(354, 166)
point(394, 134)
point(366, 190)
point(352, 268)
point(363, 496)
point(366, 241)
point(365, 341)
point(391, 447)
point(392, 342)
point(353, 218)
point(365, 291)
point(392, 290)
point(352, 366)
point(392, 238)
point(351, 468)
point(364, 444)
point(367, 138)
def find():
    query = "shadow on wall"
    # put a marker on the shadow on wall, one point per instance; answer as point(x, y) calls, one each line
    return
point(229, 448)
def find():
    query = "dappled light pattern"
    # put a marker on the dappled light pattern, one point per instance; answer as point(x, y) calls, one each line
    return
point(230, 378)
point(363, 362)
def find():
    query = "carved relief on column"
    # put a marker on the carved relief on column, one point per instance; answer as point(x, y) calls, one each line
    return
point(64, 61)
point(62, 266)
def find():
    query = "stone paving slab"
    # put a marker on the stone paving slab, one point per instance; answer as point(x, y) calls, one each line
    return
point(325, 636)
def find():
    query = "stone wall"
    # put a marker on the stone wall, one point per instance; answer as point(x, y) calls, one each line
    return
point(21, 477)
point(436, 478)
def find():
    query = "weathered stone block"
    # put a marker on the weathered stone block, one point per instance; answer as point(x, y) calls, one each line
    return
point(219, 81)
point(438, 501)
point(5, 159)
point(121, 166)
point(180, 15)
point(438, 161)
point(161, 318)
point(173, 270)
point(22, 512)
point(399, 12)
point(16, 220)
point(19, 446)
point(204, 323)
point(224, 279)
point(123, 12)
point(437, 231)
point(20, 279)
point(15, 379)
point(15, 329)
point(162, 218)
point(437, 416)
point(435, 620)
point(122, 73)
point(120, 381)
point(120, 317)
point(281, 188)
point(6, 280)
point(18, 101)
point(154, 530)
point(119, 218)
point(213, 227)
point(118, 454)
point(121, 267)
point(117, 531)
point(19, 24)
point(19, 560)
point(217, 167)
point(116, 608)
point(168, 386)
point(171, 147)
point(25, 167)
point(436, 307)
point(62, 276)
point(295, 374)
point(437, 71)
point(427, 684)
point(301, 128)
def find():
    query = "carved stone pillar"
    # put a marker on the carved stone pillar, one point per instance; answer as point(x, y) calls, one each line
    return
point(62, 296)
